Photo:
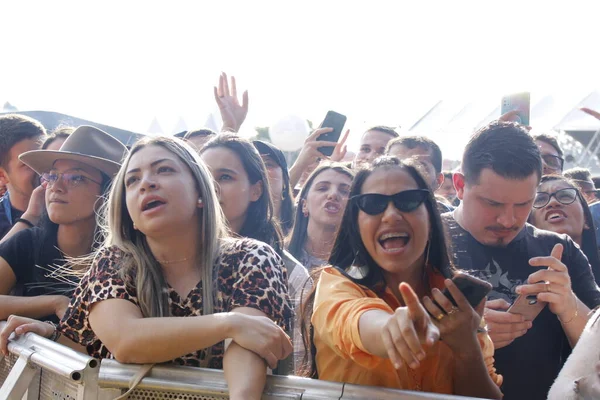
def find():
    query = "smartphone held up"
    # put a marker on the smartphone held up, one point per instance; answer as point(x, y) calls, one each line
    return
point(519, 102)
point(336, 122)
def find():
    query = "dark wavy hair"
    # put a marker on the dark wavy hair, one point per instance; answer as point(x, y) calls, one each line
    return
point(286, 214)
point(260, 223)
point(297, 238)
point(349, 250)
point(588, 236)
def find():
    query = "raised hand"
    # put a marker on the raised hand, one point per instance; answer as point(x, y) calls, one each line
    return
point(591, 112)
point(457, 324)
point(556, 287)
point(340, 150)
point(232, 113)
point(409, 331)
point(512, 116)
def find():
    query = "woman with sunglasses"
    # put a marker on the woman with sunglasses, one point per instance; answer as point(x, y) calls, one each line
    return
point(170, 284)
point(75, 179)
point(559, 207)
point(379, 315)
point(321, 204)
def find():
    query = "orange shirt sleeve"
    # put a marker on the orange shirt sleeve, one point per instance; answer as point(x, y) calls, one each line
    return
point(339, 304)
point(487, 348)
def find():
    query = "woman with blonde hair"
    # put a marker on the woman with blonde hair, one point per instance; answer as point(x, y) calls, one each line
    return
point(168, 255)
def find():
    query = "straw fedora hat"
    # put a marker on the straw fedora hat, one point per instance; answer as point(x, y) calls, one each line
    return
point(87, 145)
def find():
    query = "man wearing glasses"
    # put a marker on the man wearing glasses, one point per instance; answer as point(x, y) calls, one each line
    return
point(552, 155)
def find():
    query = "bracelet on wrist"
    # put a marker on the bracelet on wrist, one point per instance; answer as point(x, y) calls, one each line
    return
point(25, 221)
point(572, 318)
point(56, 334)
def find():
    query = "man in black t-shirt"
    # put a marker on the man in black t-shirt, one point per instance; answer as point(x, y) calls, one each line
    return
point(18, 134)
point(501, 170)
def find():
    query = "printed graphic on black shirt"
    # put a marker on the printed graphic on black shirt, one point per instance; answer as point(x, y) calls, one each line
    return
point(504, 288)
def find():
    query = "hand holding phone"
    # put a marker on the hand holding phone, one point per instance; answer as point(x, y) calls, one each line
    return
point(520, 103)
point(474, 289)
point(336, 122)
point(528, 306)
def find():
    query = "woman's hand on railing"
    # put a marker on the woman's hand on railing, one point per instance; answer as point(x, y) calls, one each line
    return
point(21, 325)
point(457, 324)
point(262, 336)
point(409, 331)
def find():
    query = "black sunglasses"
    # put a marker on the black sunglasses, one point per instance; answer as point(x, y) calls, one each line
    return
point(563, 196)
point(375, 203)
point(554, 162)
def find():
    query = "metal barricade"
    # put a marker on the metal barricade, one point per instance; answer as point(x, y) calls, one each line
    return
point(38, 368)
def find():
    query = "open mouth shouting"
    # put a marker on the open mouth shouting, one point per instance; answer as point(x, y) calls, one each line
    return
point(152, 204)
point(393, 242)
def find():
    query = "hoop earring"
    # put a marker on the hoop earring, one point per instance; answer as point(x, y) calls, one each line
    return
point(427, 253)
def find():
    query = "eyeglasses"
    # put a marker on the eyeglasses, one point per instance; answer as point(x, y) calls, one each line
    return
point(563, 196)
point(553, 162)
point(71, 180)
point(406, 201)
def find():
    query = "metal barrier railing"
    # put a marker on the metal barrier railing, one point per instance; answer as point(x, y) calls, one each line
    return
point(39, 369)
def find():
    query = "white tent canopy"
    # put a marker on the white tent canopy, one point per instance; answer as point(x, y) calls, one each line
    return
point(451, 122)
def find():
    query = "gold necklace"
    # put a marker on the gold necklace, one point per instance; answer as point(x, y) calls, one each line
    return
point(165, 262)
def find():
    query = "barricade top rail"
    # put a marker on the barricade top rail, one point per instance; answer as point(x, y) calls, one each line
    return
point(104, 380)
point(51, 356)
point(198, 380)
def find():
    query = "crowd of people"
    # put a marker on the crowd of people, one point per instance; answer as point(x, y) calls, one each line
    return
point(332, 269)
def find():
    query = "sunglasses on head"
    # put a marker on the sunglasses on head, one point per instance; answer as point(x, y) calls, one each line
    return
point(563, 196)
point(406, 201)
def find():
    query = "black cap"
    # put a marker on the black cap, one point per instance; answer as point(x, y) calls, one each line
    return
point(268, 149)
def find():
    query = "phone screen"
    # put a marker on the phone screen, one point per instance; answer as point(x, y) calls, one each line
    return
point(336, 121)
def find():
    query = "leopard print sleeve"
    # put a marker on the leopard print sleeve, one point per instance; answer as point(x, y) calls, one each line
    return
point(255, 276)
point(101, 282)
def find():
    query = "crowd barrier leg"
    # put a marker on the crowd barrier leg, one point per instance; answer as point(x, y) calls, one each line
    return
point(19, 379)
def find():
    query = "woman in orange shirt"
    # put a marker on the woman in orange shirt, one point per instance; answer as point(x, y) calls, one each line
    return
point(368, 325)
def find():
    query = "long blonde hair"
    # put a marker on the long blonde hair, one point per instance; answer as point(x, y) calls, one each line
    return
point(138, 260)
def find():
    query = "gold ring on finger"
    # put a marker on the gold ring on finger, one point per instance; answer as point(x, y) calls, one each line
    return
point(547, 287)
point(440, 316)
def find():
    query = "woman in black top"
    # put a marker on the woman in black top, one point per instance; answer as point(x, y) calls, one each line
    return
point(76, 178)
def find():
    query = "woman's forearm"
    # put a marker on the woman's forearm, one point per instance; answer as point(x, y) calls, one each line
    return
point(370, 325)
point(136, 340)
point(156, 340)
point(471, 377)
point(245, 373)
point(32, 307)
